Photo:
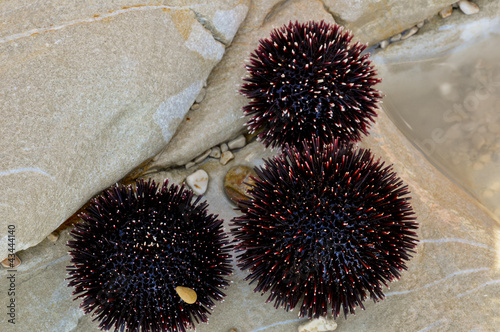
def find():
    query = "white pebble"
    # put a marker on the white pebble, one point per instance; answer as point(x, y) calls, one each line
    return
point(320, 324)
point(420, 24)
point(202, 156)
point(198, 182)
point(195, 107)
point(396, 38)
point(468, 8)
point(223, 147)
point(384, 44)
point(446, 12)
point(237, 143)
point(190, 164)
point(215, 152)
point(201, 96)
point(409, 33)
point(226, 157)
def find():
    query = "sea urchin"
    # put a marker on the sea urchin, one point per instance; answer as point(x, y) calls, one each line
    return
point(139, 249)
point(307, 80)
point(326, 224)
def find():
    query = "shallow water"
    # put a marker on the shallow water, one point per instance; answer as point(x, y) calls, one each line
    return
point(449, 107)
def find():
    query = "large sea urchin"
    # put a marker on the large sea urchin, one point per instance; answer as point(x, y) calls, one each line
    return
point(138, 249)
point(326, 224)
point(308, 80)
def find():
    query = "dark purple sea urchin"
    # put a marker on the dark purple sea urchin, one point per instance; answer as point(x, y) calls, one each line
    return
point(308, 80)
point(326, 224)
point(135, 246)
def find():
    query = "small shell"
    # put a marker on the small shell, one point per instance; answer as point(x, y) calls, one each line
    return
point(188, 295)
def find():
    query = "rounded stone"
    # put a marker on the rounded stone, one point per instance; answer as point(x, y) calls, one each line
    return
point(226, 157)
point(237, 182)
point(468, 8)
point(198, 182)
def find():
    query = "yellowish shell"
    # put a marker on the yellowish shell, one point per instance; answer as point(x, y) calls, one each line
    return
point(188, 295)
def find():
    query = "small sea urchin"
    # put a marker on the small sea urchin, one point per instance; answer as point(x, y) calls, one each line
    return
point(307, 80)
point(138, 250)
point(326, 224)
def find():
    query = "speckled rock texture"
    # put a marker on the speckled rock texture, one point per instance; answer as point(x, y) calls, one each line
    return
point(91, 89)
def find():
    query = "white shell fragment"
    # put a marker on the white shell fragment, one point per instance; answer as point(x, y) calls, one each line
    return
point(237, 143)
point(198, 182)
point(468, 8)
point(321, 324)
point(187, 295)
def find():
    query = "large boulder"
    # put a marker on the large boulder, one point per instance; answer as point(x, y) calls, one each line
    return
point(91, 89)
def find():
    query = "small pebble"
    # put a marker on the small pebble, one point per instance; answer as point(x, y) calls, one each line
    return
point(215, 152)
point(237, 143)
point(201, 96)
point(320, 324)
point(202, 156)
point(420, 24)
point(396, 38)
point(11, 263)
point(195, 107)
point(409, 33)
point(226, 157)
point(53, 236)
point(190, 164)
point(223, 147)
point(188, 295)
point(198, 182)
point(237, 182)
point(233, 330)
point(384, 44)
point(468, 8)
point(446, 12)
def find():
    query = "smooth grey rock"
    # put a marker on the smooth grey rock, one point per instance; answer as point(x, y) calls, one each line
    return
point(237, 143)
point(89, 91)
point(223, 104)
